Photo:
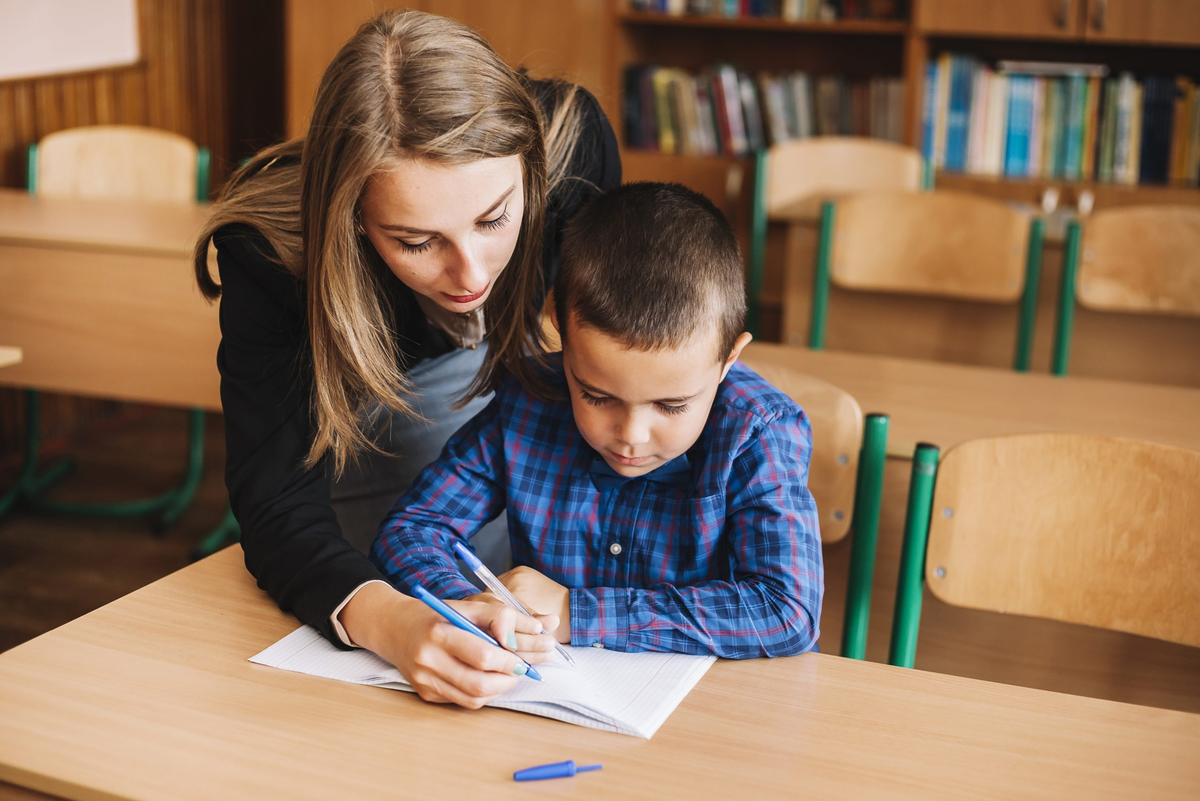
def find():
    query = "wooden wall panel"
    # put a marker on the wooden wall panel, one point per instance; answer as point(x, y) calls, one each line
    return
point(178, 85)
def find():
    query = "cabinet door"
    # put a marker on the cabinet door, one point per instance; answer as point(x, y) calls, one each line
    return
point(1143, 21)
point(1042, 19)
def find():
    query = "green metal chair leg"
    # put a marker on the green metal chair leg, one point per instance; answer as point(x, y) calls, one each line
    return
point(820, 298)
point(227, 532)
point(1029, 299)
point(907, 620)
point(868, 499)
point(758, 246)
point(169, 505)
point(1066, 300)
point(29, 483)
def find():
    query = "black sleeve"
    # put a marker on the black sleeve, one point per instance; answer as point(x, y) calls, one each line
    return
point(290, 535)
point(595, 167)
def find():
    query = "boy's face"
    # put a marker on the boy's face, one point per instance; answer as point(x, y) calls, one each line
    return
point(640, 409)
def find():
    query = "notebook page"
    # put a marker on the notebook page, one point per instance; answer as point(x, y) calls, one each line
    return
point(627, 693)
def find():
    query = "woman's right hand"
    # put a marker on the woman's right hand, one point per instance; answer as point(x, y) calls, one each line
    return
point(443, 663)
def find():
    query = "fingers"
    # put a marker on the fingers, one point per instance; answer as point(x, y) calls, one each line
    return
point(535, 648)
point(458, 667)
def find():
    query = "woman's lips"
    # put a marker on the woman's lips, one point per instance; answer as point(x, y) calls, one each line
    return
point(466, 298)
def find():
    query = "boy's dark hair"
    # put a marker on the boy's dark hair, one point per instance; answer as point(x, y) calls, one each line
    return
point(650, 265)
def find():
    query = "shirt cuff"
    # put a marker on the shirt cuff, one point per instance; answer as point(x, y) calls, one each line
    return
point(338, 628)
point(600, 617)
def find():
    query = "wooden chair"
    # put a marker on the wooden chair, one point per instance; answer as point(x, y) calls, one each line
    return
point(1070, 527)
point(845, 477)
point(792, 180)
point(113, 162)
point(1141, 259)
point(946, 244)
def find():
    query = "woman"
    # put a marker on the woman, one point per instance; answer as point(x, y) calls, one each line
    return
point(391, 262)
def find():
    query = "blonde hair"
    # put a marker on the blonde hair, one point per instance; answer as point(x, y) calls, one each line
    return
point(407, 85)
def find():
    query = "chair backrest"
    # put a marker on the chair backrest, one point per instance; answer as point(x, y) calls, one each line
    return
point(947, 244)
point(119, 161)
point(1076, 528)
point(826, 167)
point(1142, 259)
point(837, 425)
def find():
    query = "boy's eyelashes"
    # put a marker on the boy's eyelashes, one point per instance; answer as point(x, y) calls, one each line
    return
point(601, 400)
point(494, 224)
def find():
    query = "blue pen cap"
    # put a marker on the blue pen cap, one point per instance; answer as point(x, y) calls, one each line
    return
point(555, 770)
point(465, 554)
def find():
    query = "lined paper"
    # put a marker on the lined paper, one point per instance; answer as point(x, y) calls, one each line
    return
point(621, 692)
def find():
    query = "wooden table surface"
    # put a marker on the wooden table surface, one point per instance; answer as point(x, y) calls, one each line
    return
point(101, 296)
point(946, 404)
point(152, 697)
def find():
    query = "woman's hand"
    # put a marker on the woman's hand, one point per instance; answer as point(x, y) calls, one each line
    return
point(443, 663)
point(533, 648)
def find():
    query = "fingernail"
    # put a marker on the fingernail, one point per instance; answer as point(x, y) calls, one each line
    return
point(512, 640)
point(520, 670)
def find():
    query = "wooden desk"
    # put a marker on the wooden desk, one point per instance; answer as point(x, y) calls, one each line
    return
point(9, 356)
point(101, 296)
point(152, 697)
point(948, 403)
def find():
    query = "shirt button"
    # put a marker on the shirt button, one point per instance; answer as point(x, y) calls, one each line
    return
point(615, 549)
point(597, 645)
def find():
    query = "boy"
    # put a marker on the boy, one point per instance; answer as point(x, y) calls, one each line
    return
point(664, 507)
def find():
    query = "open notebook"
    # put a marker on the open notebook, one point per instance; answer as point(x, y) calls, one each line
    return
point(626, 693)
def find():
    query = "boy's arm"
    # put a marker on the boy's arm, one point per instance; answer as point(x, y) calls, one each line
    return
point(451, 499)
point(772, 607)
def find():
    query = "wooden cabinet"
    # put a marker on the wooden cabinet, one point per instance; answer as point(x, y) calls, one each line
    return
point(1169, 22)
point(1032, 19)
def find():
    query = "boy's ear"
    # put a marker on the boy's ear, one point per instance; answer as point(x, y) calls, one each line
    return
point(554, 315)
point(741, 343)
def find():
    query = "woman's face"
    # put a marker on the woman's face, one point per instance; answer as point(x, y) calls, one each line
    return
point(446, 231)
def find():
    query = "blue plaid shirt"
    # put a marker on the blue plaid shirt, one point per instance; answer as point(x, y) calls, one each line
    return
point(716, 552)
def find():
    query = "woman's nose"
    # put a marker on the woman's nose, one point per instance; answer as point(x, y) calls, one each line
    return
point(469, 271)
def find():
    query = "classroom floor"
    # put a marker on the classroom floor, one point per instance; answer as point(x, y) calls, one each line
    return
point(54, 569)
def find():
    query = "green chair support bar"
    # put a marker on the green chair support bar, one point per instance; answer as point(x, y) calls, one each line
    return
point(31, 170)
point(911, 583)
point(820, 298)
point(868, 500)
point(758, 245)
point(1066, 300)
point(28, 483)
point(203, 167)
point(227, 532)
point(927, 174)
point(1029, 298)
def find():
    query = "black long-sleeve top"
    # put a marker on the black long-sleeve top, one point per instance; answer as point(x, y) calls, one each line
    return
point(290, 534)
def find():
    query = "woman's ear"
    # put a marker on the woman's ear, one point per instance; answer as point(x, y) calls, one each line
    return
point(741, 342)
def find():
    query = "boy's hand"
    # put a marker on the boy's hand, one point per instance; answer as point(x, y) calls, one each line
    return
point(533, 648)
point(542, 595)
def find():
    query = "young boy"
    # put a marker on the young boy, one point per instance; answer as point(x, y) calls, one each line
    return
point(663, 506)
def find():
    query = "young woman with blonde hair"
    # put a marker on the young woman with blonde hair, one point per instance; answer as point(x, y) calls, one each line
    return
point(372, 275)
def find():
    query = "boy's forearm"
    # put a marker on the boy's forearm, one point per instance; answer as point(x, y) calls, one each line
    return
point(697, 620)
point(408, 558)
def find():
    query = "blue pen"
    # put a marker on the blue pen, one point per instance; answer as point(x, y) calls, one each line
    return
point(444, 609)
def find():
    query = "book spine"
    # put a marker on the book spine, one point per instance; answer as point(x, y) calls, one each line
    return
point(1073, 144)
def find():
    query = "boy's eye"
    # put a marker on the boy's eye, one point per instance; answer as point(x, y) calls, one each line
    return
point(593, 400)
point(680, 409)
point(420, 248)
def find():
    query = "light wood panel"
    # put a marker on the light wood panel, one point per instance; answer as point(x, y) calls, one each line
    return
point(1167, 22)
point(944, 244)
point(152, 697)
point(1042, 19)
point(117, 161)
point(837, 430)
point(826, 167)
point(1084, 529)
point(10, 356)
point(1142, 260)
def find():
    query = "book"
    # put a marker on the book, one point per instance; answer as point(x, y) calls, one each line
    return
point(626, 693)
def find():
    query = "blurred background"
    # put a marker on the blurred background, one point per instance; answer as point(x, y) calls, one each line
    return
point(1058, 109)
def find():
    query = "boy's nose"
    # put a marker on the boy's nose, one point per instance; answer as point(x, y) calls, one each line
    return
point(633, 430)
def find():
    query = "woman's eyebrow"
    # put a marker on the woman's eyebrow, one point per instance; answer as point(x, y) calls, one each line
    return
point(500, 200)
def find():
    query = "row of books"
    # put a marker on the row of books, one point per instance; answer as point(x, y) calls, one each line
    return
point(1071, 122)
point(722, 111)
point(788, 10)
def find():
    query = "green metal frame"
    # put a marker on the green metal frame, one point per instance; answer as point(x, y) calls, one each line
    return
point(1029, 298)
point(758, 245)
point(927, 174)
point(868, 500)
point(906, 621)
point(29, 487)
point(818, 313)
point(1066, 300)
point(227, 532)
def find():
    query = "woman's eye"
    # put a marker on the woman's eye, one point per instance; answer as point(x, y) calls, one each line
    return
point(593, 400)
point(497, 223)
point(421, 248)
point(672, 409)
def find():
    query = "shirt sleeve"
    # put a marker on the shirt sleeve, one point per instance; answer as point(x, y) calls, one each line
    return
point(451, 499)
point(290, 535)
point(772, 605)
